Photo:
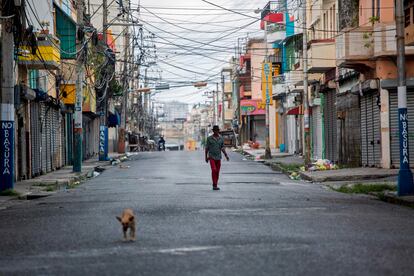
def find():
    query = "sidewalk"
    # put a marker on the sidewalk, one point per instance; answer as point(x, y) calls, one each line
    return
point(50, 183)
point(349, 174)
point(335, 179)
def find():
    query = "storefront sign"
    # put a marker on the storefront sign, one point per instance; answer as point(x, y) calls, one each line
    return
point(252, 107)
point(403, 137)
point(103, 143)
point(267, 83)
point(6, 153)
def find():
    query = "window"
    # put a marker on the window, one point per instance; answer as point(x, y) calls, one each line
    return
point(33, 78)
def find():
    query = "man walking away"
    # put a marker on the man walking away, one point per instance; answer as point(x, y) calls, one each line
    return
point(214, 147)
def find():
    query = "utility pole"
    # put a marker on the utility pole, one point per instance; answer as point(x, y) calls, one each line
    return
point(217, 104)
point(305, 87)
point(214, 108)
point(103, 129)
point(145, 100)
point(405, 176)
point(7, 104)
point(77, 158)
point(122, 129)
point(222, 101)
point(267, 71)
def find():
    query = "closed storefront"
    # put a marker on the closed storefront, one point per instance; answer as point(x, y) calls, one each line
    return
point(394, 130)
point(259, 129)
point(316, 129)
point(90, 136)
point(330, 150)
point(36, 138)
point(46, 138)
point(370, 129)
point(68, 138)
point(348, 129)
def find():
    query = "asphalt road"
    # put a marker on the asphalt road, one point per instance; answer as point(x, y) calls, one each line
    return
point(260, 223)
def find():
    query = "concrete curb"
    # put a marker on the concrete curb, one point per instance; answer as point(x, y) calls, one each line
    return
point(391, 197)
point(333, 178)
point(37, 186)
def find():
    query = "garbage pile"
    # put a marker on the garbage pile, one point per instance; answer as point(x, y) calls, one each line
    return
point(321, 165)
point(251, 145)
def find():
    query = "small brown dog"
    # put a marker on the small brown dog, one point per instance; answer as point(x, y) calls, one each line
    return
point(128, 221)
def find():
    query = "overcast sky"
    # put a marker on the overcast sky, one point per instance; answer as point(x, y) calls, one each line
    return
point(195, 40)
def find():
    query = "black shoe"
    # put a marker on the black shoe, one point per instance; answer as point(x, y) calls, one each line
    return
point(216, 188)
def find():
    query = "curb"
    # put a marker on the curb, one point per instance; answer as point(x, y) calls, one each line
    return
point(333, 178)
point(394, 199)
point(62, 184)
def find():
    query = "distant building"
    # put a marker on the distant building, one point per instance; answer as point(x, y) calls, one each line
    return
point(174, 111)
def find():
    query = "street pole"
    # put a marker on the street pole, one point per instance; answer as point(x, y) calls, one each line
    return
point(405, 176)
point(77, 158)
point(268, 153)
point(7, 105)
point(305, 87)
point(217, 104)
point(122, 129)
point(223, 114)
point(103, 129)
point(214, 108)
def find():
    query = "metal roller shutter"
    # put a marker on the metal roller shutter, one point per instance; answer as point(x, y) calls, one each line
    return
point(317, 132)
point(377, 130)
point(55, 141)
point(69, 138)
point(370, 131)
point(365, 134)
point(35, 126)
point(49, 142)
point(43, 142)
point(394, 131)
point(330, 128)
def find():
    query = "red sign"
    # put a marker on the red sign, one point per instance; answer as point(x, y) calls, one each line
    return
point(252, 107)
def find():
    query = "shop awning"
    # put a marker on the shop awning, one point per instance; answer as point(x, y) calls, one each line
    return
point(297, 110)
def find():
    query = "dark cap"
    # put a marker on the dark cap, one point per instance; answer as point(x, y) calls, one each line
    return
point(216, 127)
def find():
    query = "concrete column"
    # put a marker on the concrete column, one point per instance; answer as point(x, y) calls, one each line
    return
point(385, 129)
point(272, 125)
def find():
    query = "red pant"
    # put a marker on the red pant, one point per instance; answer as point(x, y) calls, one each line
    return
point(215, 170)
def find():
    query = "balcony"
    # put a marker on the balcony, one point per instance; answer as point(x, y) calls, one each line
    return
point(321, 55)
point(384, 43)
point(272, 7)
point(47, 55)
point(245, 91)
point(228, 88)
point(353, 47)
point(275, 32)
point(228, 114)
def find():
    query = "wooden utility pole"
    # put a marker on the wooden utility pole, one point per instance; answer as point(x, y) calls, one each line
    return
point(405, 176)
point(77, 158)
point(7, 103)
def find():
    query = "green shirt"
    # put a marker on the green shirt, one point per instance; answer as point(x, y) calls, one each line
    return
point(214, 146)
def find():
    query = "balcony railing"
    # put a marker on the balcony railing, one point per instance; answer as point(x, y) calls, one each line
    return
point(321, 55)
point(273, 7)
point(353, 46)
point(384, 43)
